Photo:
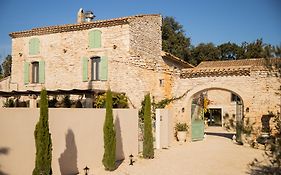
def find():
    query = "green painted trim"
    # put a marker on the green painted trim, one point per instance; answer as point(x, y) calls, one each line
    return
point(84, 69)
point(94, 39)
point(41, 71)
point(26, 72)
point(103, 71)
point(34, 46)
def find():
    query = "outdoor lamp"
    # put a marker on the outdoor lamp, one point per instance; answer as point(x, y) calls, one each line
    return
point(86, 169)
point(131, 159)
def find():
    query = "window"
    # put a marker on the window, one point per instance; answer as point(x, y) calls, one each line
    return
point(95, 66)
point(94, 39)
point(35, 72)
point(235, 98)
point(161, 82)
point(34, 46)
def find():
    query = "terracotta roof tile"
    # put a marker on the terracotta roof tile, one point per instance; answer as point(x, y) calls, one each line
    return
point(75, 27)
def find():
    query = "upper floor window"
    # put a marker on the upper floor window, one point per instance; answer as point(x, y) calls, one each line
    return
point(95, 67)
point(94, 39)
point(35, 72)
point(34, 46)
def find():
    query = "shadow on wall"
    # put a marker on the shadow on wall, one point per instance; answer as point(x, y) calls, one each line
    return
point(4, 151)
point(68, 159)
point(119, 143)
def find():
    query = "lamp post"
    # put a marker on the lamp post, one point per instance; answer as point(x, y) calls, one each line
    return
point(86, 169)
point(131, 159)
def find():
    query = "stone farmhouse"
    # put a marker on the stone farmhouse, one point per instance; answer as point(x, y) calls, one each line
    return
point(125, 54)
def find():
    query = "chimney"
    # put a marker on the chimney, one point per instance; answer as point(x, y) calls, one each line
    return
point(80, 16)
point(86, 16)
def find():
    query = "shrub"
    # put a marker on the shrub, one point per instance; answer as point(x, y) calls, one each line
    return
point(109, 136)
point(148, 151)
point(181, 127)
point(43, 141)
point(66, 102)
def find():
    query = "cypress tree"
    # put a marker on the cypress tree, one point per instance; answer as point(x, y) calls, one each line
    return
point(109, 136)
point(43, 141)
point(148, 151)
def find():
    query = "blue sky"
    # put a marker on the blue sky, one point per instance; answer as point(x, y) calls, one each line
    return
point(216, 21)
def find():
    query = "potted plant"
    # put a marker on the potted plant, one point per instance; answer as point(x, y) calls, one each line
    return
point(181, 129)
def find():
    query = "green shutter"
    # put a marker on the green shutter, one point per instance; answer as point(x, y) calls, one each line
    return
point(26, 72)
point(85, 68)
point(103, 71)
point(34, 46)
point(95, 39)
point(41, 71)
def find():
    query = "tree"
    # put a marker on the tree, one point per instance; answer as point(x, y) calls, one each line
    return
point(254, 49)
point(43, 140)
point(7, 66)
point(204, 52)
point(230, 51)
point(1, 72)
point(148, 151)
point(174, 40)
point(109, 136)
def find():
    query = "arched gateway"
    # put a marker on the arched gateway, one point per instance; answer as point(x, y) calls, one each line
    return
point(225, 93)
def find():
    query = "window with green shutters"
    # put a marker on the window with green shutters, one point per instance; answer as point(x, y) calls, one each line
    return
point(94, 69)
point(34, 46)
point(34, 72)
point(94, 39)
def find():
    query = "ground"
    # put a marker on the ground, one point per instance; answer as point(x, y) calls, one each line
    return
point(215, 155)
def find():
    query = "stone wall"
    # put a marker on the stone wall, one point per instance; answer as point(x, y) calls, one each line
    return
point(135, 65)
point(258, 93)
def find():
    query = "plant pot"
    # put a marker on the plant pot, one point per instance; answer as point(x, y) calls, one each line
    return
point(181, 136)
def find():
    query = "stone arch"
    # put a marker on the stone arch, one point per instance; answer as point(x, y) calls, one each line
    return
point(186, 102)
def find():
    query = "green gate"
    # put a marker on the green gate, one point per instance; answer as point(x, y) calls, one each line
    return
point(197, 130)
point(197, 122)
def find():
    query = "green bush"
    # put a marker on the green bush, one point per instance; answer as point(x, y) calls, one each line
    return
point(119, 100)
point(109, 136)
point(43, 140)
point(148, 150)
point(181, 127)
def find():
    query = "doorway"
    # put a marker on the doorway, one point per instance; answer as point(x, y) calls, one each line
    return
point(213, 116)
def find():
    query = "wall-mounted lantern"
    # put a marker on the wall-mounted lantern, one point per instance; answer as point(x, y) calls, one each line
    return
point(86, 170)
point(131, 159)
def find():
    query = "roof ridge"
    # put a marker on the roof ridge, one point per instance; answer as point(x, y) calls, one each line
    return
point(14, 34)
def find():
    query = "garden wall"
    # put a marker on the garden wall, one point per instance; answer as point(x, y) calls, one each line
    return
point(77, 137)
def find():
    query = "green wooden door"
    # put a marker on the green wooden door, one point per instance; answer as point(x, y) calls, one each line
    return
point(197, 122)
point(197, 130)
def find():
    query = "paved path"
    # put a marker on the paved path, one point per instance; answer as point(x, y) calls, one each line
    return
point(215, 155)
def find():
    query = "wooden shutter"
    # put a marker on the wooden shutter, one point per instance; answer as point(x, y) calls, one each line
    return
point(26, 72)
point(34, 46)
point(41, 71)
point(94, 39)
point(103, 69)
point(85, 69)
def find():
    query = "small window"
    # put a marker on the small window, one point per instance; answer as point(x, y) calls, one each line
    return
point(35, 72)
point(235, 98)
point(161, 82)
point(95, 68)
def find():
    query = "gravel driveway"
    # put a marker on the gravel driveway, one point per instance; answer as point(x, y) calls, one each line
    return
point(215, 155)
